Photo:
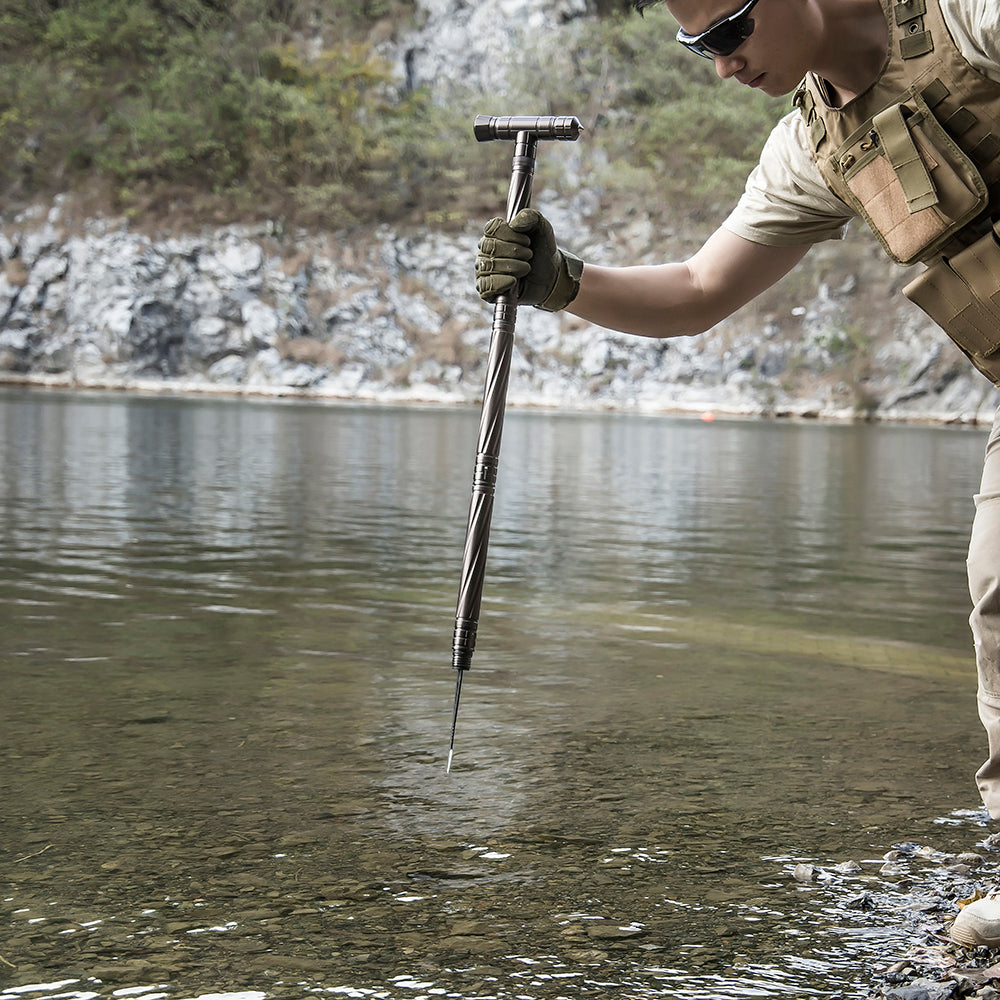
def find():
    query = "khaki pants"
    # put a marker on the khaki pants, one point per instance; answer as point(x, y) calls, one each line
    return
point(984, 587)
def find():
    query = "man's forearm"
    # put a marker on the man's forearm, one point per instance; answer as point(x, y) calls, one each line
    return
point(649, 301)
point(684, 298)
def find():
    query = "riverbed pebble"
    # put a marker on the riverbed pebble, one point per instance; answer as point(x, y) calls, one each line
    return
point(934, 883)
point(805, 873)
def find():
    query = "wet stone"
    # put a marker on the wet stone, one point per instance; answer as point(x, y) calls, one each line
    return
point(473, 945)
point(610, 929)
point(847, 868)
point(863, 902)
point(587, 955)
point(251, 916)
point(223, 852)
point(971, 859)
point(805, 873)
point(247, 945)
point(923, 989)
point(703, 958)
point(282, 963)
point(470, 928)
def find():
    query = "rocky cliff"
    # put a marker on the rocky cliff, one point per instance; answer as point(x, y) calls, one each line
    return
point(392, 315)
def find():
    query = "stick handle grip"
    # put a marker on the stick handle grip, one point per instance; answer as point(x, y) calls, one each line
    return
point(564, 127)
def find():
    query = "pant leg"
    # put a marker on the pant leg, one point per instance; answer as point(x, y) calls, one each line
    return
point(984, 588)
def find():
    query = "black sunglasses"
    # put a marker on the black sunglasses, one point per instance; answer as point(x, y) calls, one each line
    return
point(722, 38)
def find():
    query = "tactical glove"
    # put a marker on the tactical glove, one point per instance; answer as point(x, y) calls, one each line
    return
point(522, 257)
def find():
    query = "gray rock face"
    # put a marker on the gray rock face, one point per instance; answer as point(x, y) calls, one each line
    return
point(394, 316)
point(461, 41)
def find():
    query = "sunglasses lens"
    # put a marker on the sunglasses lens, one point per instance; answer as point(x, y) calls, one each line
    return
point(728, 37)
point(724, 38)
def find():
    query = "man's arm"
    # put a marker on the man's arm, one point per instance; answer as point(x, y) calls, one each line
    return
point(672, 300)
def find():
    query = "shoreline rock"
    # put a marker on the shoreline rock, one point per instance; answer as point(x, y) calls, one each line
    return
point(391, 317)
point(421, 397)
point(926, 888)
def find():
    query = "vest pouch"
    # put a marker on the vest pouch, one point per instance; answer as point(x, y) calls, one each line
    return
point(962, 295)
point(909, 181)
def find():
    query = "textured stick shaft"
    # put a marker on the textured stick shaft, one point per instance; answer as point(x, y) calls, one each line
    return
point(525, 131)
point(477, 536)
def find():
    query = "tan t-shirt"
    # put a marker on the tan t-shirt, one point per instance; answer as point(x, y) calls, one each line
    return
point(786, 202)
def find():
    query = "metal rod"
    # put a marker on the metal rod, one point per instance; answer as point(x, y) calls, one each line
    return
point(454, 720)
point(528, 132)
point(477, 536)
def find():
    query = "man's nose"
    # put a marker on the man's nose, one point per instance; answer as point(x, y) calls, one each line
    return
point(728, 66)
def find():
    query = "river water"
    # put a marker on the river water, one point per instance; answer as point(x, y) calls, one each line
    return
point(709, 652)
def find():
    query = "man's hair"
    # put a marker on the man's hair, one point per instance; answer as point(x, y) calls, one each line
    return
point(641, 5)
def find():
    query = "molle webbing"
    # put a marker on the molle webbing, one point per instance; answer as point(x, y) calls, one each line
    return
point(915, 40)
point(929, 106)
point(959, 123)
point(905, 160)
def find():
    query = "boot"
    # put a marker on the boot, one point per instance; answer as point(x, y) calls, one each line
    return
point(978, 923)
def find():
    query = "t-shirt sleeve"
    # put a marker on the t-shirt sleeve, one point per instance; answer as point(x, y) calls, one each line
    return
point(975, 26)
point(786, 202)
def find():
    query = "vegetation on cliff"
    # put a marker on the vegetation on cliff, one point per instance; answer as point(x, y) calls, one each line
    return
point(215, 109)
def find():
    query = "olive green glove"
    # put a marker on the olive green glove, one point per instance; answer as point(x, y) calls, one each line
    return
point(522, 257)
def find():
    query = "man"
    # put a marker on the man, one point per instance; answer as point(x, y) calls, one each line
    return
point(897, 119)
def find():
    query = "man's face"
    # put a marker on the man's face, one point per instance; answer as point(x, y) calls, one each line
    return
point(771, 59)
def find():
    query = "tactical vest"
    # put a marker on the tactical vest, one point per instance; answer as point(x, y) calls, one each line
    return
point(917, 155)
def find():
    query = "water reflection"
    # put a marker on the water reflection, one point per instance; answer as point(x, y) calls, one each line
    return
point(708, 653)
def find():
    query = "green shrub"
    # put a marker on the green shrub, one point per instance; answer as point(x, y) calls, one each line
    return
point(689, 135)
point(224, 102)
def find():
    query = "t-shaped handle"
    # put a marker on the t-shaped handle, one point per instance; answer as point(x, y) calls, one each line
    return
point(565, 127)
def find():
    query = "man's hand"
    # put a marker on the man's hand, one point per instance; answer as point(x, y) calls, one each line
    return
point(523, 258)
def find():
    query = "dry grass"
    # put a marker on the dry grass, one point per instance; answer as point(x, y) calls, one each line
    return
point(309, 350)
point(16, 272)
